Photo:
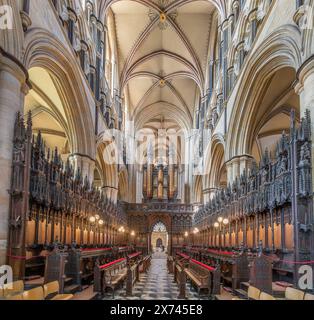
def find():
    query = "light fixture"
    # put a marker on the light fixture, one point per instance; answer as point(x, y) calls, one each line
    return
point(186, 234)
point(92, 219)
point(225, 221)
point(132, 233)
point(216, 225)
point(97, 217)
point(220, 219)
point(101, 222)
point(196, 230)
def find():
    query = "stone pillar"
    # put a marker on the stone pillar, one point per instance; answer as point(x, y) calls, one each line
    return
point(237, 165)
point(86, 165)
point(245, 163)
point(236, 168)
point(304, 89)
point(12, 92)
point(229, 172)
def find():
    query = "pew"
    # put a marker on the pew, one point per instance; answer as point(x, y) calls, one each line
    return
point(146, 264)
point(55, 266)
point(52, 292)
point(80, 266)
point(180, 278)
point(142, 249)
point(34, 294)
point(17, 297)
point(35, 267)
point(170, 264)
point(234, 265)
point(294, 294)
point(266, 297)
point(252, 294)
point(12, 289)
point(309, 297)
point(261, 273)
point(183, 260)
point(122, 252)
point(204, 277)
point(133, 274)
point(109, 275)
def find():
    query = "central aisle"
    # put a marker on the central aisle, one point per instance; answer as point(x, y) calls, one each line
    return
point(157, 284)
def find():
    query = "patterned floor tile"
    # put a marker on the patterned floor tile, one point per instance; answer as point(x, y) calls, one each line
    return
point(157, 284)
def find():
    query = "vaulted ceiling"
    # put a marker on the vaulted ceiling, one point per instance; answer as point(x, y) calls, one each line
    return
point(162, 57)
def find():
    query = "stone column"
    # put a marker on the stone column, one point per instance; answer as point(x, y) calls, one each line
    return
point(12, 92)
point(236, 168)
point(86, 165)
point(304, 89)
point(229, 172)
point(245, 163)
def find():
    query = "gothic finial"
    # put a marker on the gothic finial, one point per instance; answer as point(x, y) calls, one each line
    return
point(29, 124)
point(56, 157)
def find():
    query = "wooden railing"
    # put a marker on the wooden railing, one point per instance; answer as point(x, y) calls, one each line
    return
point(109, 275)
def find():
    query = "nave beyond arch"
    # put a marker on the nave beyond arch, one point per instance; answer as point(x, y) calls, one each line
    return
point(138, 135)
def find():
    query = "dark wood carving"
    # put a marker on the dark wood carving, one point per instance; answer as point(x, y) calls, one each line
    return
point(56, 199)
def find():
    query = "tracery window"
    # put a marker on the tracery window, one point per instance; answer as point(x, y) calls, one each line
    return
point(159, 227)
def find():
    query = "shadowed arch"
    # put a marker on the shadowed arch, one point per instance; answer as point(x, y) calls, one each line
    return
point(279, 50)
point(45, 51)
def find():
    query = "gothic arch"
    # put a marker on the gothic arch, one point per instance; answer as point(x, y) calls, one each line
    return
point(217, 162)
point(45, 51)
point(280, 50)
point(123, 192)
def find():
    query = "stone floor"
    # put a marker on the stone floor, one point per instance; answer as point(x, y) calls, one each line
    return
point(157, 284)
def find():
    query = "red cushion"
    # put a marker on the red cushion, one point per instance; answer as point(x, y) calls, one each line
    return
point(205, 266)
point(183, 255)
point(95, 249)
point(111, 263)
point(134, 255)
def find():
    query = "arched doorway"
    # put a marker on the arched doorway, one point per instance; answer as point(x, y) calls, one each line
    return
point(159, 238)
point(159, 243)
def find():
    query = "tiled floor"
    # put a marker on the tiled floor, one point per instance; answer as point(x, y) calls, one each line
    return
point(157, 284)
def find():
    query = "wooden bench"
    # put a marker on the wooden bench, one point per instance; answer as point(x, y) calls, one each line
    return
point(81, 263)
point(34, 294)
point(110, 275)
point(52, 292)
point(170, 264)
point(35, 266)
point(294, 294)
point(180, 277)
point(134, 261)
point(253, 293)
point(146, 264)
point(12, 289)
point(204, 277)
point(234, 265)
point(180, 259)
point(309, 297)
point(266, 297)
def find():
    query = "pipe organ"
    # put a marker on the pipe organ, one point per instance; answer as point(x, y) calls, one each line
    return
point(160, 182)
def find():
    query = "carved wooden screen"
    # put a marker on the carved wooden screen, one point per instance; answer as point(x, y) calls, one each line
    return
point(50, 202)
